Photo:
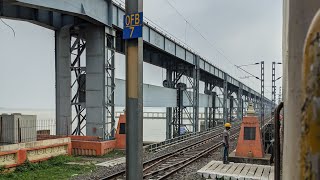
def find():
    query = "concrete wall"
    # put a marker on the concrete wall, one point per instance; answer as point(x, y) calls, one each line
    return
point(28, 127)
point(297, 18)
point(6, 127)
point(86, 145)
point(16, 128)
point(92, 148)
point(17, 154)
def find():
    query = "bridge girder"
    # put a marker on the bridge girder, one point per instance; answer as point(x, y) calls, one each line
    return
point(98, 13)
point(80, 14)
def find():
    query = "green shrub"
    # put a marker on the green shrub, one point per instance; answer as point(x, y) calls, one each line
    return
point(2, 168)
point(27, 166)
point(55, 161)
point(54, 168)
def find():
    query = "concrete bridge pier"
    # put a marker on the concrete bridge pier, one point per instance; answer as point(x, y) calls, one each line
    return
point(94, 86)
point(209, 112)
point(168, 122)
point(95, 80)
point(63, 80)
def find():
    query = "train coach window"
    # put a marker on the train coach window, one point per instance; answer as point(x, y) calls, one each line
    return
point(249, 133)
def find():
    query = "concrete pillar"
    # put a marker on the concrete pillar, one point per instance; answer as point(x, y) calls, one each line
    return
point(225, 98)
point(255, 102)
point(297, 18)
point(213, 110)
point(169, 109)
point(196, 79)
point(207, 91)
point(206, 118)
point(168, 122)
point(95, 80)
point(63, 81)
point(239, 104)
point(231, 107)
point(242, 113)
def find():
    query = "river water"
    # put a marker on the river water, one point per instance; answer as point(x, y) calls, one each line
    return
point(154, 129)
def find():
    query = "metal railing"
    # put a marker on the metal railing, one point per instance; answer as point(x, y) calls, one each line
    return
point(168, 142)
point(21, 131)
point(157, 146)
point(162, 115)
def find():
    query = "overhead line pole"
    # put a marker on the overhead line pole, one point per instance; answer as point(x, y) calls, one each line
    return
point(262, 94)
point(134, 98)
point(273, 90)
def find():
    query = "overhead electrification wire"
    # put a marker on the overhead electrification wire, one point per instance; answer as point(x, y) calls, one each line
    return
point(203, 36)
point(248, 65)
point(14, 33)
point(121, 2)
point(198, 31)
point(167, 33)
point(247, 72)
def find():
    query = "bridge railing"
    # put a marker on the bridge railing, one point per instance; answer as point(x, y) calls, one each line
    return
point(168, 142)
point(157, 146)
point(162, 115)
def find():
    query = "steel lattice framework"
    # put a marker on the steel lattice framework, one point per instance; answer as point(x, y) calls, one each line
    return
point(110, 88)
point(78, 85)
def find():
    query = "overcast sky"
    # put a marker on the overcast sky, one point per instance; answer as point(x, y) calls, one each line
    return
point(235, 33)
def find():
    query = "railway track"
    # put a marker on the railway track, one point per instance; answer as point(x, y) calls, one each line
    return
point(168, 166)
point(165, 165)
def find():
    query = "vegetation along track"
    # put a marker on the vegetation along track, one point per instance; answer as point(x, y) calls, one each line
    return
point(165, 165)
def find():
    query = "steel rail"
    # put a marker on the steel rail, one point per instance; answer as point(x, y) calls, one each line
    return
point(188, 160)
point(161, 158)
point(185, 162)
point(187, 149)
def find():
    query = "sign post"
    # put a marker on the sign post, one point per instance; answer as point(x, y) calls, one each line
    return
point(132, 24)
point(132, 32)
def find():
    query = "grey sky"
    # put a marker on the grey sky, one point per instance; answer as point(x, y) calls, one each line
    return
point(245, 31)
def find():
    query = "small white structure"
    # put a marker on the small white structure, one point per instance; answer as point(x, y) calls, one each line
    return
point(17, 128)
point(113, 162)
point(236, 171)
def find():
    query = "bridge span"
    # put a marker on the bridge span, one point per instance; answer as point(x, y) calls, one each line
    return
point(96, 29)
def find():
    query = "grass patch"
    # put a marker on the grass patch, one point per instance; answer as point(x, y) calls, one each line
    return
point(114, 153)
point(54, 168)
point(2, 169)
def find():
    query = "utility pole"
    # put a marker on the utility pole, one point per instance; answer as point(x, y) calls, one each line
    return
point(225, 98)
point(133, 23)
point(273, 90)
point(262, 94)
point(279, 97)
point(262, 99)
point(273, 96)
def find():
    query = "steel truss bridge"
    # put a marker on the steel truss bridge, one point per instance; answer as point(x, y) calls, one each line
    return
point(86, 95)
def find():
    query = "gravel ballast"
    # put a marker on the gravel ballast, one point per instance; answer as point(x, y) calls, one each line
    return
point(188, 172)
